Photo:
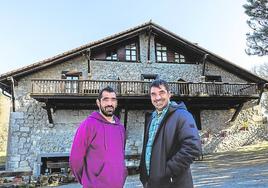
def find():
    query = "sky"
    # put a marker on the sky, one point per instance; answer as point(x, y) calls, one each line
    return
point(31, 31)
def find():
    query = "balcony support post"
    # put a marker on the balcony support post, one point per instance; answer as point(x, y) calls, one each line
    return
point(87, 54)
point(262, 90)
point(125, 118)
point(49, 113)
point(238, 109)
point(204, 64)
point(149, 45)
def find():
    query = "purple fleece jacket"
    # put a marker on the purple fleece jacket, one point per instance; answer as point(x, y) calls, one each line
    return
point(97, 154)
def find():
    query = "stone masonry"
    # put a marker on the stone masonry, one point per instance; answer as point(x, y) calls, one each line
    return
point(31, 135)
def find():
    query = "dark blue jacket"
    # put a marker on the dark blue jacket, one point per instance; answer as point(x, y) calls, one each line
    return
point(176, 145)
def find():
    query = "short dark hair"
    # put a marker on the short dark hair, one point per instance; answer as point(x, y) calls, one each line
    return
point(108, 89)
point(158, 83)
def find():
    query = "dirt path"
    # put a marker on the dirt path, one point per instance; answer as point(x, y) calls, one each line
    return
point(247, 167)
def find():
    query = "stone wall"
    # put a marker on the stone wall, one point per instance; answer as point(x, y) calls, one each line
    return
point(4, 121)
point(218, 134)
point(32, 135)
point(135, 132)
point(227, 77)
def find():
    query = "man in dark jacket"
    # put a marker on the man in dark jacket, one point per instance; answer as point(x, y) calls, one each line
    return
point(171, 142)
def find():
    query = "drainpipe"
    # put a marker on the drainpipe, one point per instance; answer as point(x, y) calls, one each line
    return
point(4, 89)
point(4, 93)
point(12, 92)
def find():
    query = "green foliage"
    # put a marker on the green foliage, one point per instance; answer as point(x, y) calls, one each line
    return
point(257, 40)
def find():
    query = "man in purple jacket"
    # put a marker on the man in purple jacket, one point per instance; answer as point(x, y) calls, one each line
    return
point(97, 154)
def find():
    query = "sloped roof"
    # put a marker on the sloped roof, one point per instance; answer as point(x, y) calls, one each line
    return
point(128, 34)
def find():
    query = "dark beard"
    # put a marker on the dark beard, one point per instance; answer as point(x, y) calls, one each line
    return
point(108, 114)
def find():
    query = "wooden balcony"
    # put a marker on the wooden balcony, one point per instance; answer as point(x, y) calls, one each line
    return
point(128, 89)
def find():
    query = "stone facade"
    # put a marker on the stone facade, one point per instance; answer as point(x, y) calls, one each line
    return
point(218, 134)
point(31, 135)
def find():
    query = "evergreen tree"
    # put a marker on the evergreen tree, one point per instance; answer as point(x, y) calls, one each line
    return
point(257, 40)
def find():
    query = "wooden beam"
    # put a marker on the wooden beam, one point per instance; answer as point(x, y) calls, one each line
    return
point(149, 44)
point(125, 118)
point(262, 89)
point(238, 109)
point(15, 173)
point(49, 114)
point(204, 64)
point(88, 54)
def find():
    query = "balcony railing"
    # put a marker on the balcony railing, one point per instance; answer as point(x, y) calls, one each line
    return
point(140, 88)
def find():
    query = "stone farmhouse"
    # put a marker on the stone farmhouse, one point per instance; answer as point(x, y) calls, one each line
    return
point(51, 97)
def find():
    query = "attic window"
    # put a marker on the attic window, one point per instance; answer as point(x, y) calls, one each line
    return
point(131, 52)
point(179, 58)
point(161, 52)
point(111, 55)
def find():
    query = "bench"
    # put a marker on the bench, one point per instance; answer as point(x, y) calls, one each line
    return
point(4, 174)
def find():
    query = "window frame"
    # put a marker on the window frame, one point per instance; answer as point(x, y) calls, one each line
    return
point(161, 51)
point(110, 55)
point(128, 48)
point(180, 58)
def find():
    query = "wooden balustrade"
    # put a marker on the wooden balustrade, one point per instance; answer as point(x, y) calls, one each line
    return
point(140, 88)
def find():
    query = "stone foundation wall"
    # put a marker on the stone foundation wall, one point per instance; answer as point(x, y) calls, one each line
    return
point(32, 135)
point(218, 134)
point(135, 132)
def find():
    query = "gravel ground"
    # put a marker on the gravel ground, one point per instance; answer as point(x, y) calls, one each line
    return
point(246, 167)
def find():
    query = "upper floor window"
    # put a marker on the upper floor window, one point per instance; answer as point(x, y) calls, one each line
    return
point(71, 83)
point(161, 52)
point(111, 55)
point(179, 58)
point(131, 52)
point(72, 77)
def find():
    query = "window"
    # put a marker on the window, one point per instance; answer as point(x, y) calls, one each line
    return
point(71, 83)
point(111, 55)
point(161, 52)
point(131, 52)
point(72, 78)
point(179, 58)
point(213, 78)
point(148, 78)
